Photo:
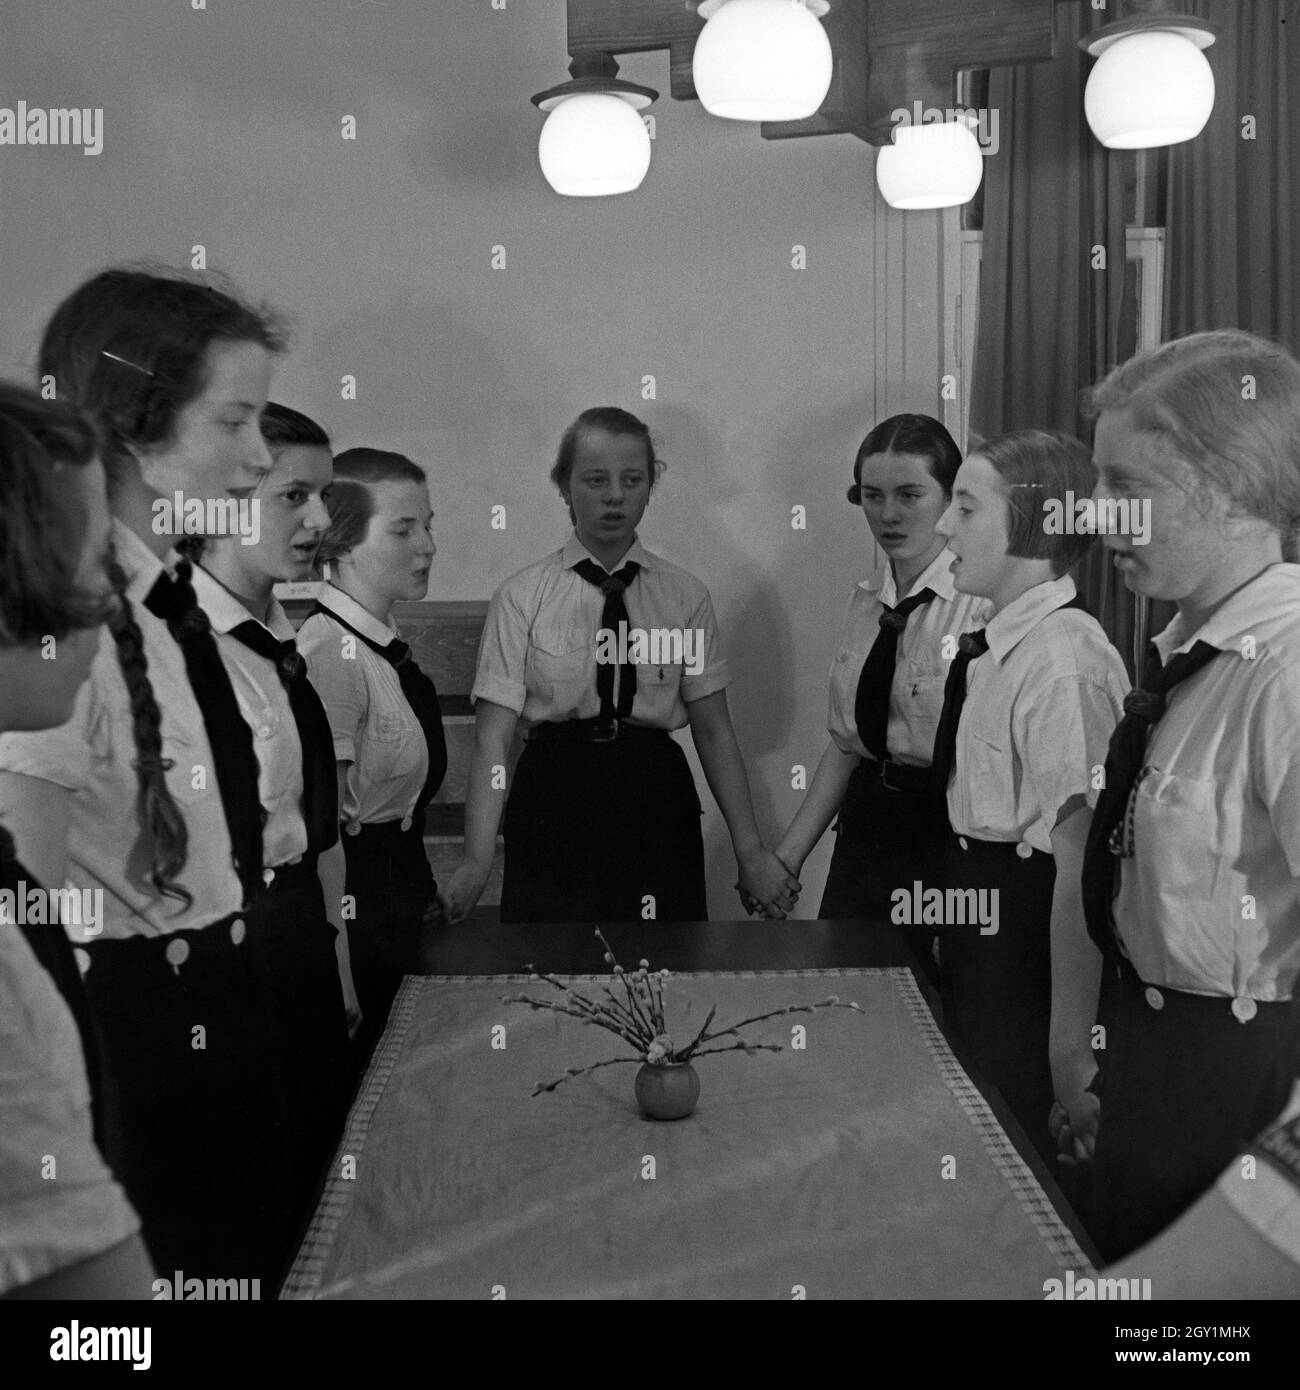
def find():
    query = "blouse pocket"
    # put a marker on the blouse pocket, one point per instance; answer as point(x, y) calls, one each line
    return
point(557, 665)
point(1177, 831)
point(391, 746)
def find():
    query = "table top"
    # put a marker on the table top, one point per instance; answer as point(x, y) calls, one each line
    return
point(860, 1161)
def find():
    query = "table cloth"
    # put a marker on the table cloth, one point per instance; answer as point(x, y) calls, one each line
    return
point(862, 1164)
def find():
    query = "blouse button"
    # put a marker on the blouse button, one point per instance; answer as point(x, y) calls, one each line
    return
point(1154, 997)
point(268, 876)
point(961, 840)
point(237, 930)
point(407, 822)
point(82, 959)
point(1244, 1008)
point(1024, 849)
point(176, 954)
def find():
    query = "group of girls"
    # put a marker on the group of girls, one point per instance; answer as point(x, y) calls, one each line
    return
point(1136, 1004)
point(181, 1065)
point(251, 804)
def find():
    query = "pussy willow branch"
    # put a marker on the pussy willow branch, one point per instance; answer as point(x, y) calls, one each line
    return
point(741, 1046)
point(698, 1038)
point(831, 1003)
point(597, 1021)
point(540, 1087)
point(618, 1018)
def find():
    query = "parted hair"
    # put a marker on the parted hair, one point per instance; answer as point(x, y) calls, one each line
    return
point(1038, 467)
point(350, 502)
point(1227, 404)
point(40, 526)
point(921, 435)
point(129, 347)
point(612, 420)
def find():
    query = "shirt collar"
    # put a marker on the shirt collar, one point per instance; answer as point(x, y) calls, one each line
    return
point(937, 575)
point(1272, 594)
point(140, 565)
point(574, 551)
point(355, 615)
point(225, 611)
point(1012, 624)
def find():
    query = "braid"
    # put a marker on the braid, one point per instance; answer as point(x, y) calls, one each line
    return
point(160, 818)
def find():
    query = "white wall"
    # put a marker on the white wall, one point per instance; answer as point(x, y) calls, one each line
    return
point(222, 127)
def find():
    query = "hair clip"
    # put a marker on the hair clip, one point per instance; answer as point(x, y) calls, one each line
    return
point(103, 352)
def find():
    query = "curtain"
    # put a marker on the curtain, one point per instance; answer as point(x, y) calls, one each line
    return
point(1052, 280)
point(1233, 193)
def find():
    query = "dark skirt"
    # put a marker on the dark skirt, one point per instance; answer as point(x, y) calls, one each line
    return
point(295, 946)
point(196, 1130)
point(392, 885)
point(1184, 1088)
point(997, 986)
point(885, 839)
point(603, 832)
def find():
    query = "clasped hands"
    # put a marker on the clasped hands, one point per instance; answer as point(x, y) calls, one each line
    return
point(767, 886)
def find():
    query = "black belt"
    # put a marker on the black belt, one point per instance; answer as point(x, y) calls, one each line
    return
point(591, 731)
point(286, 878)
point(901, 777)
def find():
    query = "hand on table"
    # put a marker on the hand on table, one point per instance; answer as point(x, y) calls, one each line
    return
point(459, 895)
point(766, 885)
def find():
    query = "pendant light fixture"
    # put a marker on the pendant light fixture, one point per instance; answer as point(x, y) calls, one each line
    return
point(939, 165)
point(763, 60)
point(1151, 84)
point(594, 143)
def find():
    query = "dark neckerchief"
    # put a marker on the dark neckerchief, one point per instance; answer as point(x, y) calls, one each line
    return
point(420, 694)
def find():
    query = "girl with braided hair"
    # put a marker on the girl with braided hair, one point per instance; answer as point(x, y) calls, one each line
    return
point(149, 793)
point(77, 1237)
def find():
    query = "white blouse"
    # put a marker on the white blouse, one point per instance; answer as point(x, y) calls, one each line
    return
point(91, 756)
point(264, 703)
point(375, 730)
point(916, 697)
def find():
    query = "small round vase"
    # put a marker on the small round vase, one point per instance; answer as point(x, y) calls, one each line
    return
point(667, 1092)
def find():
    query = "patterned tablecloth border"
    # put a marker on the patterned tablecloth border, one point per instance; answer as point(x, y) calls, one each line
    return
point(304, 1278)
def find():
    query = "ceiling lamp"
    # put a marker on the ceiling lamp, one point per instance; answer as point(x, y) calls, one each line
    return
point(762, 60)
point(1151, 84)
point(930, 166)
point(594, 143)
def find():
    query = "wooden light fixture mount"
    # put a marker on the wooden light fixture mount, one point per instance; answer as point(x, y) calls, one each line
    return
point(888, 54)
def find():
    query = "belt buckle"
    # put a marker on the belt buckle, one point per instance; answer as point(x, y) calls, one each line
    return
point(604, 731)
point(885, 765)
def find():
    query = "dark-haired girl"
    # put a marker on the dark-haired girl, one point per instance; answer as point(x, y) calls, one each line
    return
point(288, 925)
point(1030, 703)
point(149, 792)
point(74, 1236)
point(389, 748)
point(603, 820)
point(887, 681)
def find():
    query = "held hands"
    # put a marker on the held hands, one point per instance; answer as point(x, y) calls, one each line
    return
point(1073, 1122)
point(766, 886)
point(462, 891)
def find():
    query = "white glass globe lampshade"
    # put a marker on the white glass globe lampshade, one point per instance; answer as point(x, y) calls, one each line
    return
point(1149, 89)
point(930, 166)
point(762, 60)
point(594, 145)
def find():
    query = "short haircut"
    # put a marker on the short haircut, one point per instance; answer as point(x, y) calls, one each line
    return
point(921, 435)
point(1227, 404)
point(351, 503)
point(41, 528)
point(613, 421)
point(1041, 466)
point(284, 428)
